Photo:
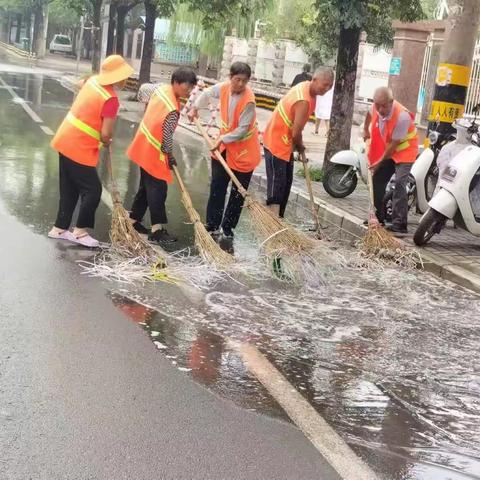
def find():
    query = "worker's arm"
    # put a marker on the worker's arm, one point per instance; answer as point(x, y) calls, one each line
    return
point(106, 134)
point(300, 119)
point(203, 100)
point(389, 151)
point(236, 135)
point(169, 125)
point(366, 126)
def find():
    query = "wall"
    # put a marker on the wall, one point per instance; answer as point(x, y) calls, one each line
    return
point(295, 59)
point(374, 70)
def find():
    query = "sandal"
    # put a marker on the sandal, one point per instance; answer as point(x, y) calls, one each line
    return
point(66, 235)
point(86, 241)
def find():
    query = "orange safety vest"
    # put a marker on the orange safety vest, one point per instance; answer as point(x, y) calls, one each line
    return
point(278, 135)
point(146, 148)
point(79, 135)
point(243, 155)
point(407, 151)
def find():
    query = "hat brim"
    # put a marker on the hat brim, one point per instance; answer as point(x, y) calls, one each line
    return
point(118, 75)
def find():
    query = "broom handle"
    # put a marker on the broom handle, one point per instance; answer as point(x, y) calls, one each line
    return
point(370, 187)
point(219, 157)
point(370, 178)
point(107, 158)
point(183, 189)
point(308, 180)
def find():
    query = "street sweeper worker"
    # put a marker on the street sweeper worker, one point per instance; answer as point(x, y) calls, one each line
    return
point(238, 143)
point(152, 150)
point(393, 149)
point(283, 135)
point(87, 127)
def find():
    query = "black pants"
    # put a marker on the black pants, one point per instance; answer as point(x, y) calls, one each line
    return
point(77, 181)
point(152, 194)
point(218, 192)
point(279, 180)
point(400, 197)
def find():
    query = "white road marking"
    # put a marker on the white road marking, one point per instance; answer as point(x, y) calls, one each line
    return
point(47, 130)
point(332, 447)
point(21, 101)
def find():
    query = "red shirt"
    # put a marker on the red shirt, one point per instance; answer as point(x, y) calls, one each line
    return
point(111, 107)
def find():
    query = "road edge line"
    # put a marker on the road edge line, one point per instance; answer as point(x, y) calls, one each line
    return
point(323, 437)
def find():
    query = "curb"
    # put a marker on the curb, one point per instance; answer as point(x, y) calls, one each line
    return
point(17, 52)
point(353, 226)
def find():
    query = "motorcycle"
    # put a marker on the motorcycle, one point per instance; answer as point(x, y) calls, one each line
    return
point(458, 195)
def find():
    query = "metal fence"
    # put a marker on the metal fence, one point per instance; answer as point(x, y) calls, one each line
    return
point(473, 96)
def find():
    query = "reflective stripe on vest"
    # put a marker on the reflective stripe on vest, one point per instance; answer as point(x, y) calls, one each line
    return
point(406, 141)
point(299, 91)
point(249, 134)
point(93, 83)
point(82, 126)
point(283, 114)
point(281, 108)
point(164, 98)
point(152, 140)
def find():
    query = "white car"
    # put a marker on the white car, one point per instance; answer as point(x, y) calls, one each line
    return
point(61, 43)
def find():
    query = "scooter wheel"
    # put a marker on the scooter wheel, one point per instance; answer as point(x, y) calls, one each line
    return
point(431, 223)
point(334, 186)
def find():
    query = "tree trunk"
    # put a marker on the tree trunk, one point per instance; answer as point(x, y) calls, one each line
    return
point(111, 29)
point(202, 64)
point(147, 54)
point(19, 27)
point(39, 31)
point(344, 94)
point(122, 15)
point(96, 35)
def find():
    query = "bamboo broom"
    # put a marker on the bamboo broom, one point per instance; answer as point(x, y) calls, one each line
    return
point(378, 241)
point(123, 236)
point(208, 248)
point(276, 235)
point(308, 180)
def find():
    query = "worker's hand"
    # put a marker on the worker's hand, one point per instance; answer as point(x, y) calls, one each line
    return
point(217, 143)
point(106, 142)
point(192, 114)
point(366, 135)
point(300, 148)
point(171, 162)
point(374, 168)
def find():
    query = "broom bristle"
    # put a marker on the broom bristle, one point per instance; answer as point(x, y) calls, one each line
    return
point(377, 239)
point(209, 250)
point(128, 241)
point(275, 233)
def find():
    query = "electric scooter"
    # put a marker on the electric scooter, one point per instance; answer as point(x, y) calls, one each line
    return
point(458, 195)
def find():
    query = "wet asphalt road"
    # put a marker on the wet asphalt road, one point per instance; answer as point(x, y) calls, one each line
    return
point(85, 395)
point(391, 361)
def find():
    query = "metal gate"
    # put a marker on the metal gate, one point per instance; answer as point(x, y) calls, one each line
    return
point(473, 96)
point(430, 65)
